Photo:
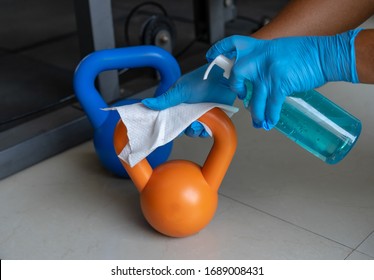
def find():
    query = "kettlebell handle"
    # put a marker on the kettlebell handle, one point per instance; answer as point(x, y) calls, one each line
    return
point(218, 159)
point(119, 58)
point(223, 149)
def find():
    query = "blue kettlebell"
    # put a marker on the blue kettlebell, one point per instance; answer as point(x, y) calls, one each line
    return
point(104, 122)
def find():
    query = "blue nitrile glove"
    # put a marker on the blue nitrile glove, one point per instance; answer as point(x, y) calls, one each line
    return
point(191, 88)
point(279, 67)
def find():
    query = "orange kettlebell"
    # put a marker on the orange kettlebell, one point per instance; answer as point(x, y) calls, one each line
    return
point(179, 198)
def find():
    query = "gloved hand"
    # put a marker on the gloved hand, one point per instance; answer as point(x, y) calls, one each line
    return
point(279, 67)
point(191, 88)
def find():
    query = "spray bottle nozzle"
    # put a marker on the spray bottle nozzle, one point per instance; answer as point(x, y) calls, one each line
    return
point(224, 63)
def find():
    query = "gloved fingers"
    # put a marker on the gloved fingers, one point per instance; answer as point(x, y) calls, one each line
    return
point(274, 107)
point(225, 46)
point(196, 129)
point(258, 104)
point(243, 72)
point(172, 97)
point(204, 134)
point(237, 83)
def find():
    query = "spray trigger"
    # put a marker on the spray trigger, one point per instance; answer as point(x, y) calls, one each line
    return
point(224, 63)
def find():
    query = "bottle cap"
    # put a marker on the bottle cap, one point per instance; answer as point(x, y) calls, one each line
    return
point(224, 63)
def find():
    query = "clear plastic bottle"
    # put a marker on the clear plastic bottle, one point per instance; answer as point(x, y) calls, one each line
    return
point(311, 120)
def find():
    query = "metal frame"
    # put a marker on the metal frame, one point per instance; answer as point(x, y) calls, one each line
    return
point(210, 17)
point(96, 32)
point(40, 138)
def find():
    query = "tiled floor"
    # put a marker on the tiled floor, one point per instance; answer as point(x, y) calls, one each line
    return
point(276, 201)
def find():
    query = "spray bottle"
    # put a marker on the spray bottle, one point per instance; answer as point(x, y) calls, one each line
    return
point(309, 119)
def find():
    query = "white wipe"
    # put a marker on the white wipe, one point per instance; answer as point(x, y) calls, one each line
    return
point(148, 129)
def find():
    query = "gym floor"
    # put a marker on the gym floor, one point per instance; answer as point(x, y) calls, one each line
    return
point(276, 201)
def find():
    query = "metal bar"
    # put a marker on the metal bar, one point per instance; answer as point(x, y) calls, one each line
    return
point(96, 32)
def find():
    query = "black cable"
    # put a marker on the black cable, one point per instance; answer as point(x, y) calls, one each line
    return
point(187, 47)
point(134, 10)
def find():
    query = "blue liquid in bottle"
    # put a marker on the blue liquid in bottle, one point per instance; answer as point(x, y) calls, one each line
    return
point(316, 124)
